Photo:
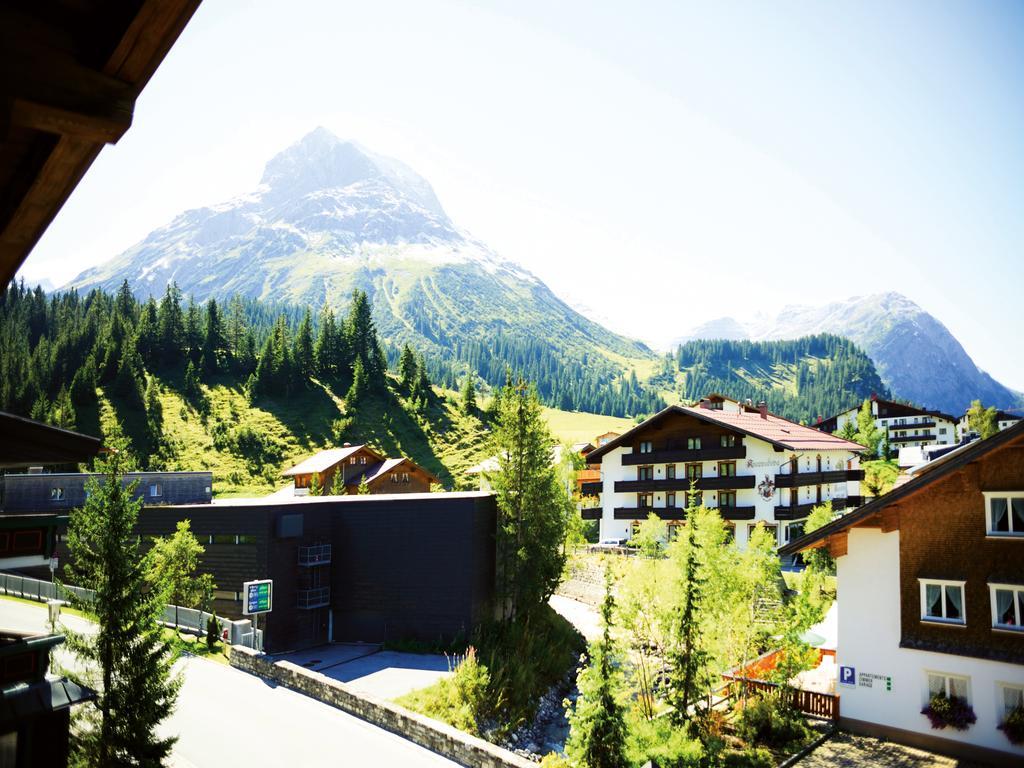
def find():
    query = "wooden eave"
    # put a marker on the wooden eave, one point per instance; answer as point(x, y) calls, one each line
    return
point(24, 443)
point(70, 73)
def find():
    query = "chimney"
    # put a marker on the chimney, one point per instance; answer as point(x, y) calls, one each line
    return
point(762, 408)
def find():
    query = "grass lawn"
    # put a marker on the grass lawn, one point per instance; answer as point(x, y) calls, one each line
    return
point(187, 643)
point(578, 427)
point(63, 609)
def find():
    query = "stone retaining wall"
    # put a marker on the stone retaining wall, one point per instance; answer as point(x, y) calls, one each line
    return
point(585, 581)
point(434, 735)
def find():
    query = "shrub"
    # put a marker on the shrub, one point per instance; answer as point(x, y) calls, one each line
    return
point(459, 700)
point(212, 631)
point(1013, 726)
point(748, 758)
point(661, 742)
point(949, 711)
point(767, 721)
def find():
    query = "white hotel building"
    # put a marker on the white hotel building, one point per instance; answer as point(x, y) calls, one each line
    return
point(753, 466)
point(904, 425)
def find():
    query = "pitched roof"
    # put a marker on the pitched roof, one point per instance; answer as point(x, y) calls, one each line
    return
point(324, 460)
point(376, 471)
point(27, 442)
point(770, 428)
point(923, 476)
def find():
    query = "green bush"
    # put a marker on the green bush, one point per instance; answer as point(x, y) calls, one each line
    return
point(459, 700)
point(767, 721)
point(748, 758)
point(212, 631)
point(658, 740)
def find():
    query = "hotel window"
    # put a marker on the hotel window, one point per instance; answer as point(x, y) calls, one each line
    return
point(645, 500)
point(728, 441)
point(694, 471)
point(645, 472)
point(670, 471)
point(1005, 513)
point(794, 531)
point(727, 469)
point(670, 500)
point(727, 499)
point(693, 443)
point(942, 601)
point(1011, 698)
point(56, 494)
point(1007, 606)
point(941, 684)
point(156, 490)
point(693, 498)
point(646, 447)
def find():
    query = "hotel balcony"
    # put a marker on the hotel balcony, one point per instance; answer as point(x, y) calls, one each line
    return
point(734, 482)
point(679, 513)
point(818, 478)
point(591, 513)
point(800, 511)
point(591, 488)
point(678, 456)
point(916, 425)
point(315, 554)
point(317, 597)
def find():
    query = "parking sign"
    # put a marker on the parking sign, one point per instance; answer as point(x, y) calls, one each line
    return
point(258, 597)
point(847, 676)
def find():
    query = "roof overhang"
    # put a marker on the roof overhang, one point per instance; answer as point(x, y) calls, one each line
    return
point(27, 443)
point(69, 77)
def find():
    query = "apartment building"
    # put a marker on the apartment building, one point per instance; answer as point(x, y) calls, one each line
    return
point(1004, 420)
point(753, 466)
point(904, 425)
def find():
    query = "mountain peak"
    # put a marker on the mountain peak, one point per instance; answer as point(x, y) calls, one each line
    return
point(321, 161)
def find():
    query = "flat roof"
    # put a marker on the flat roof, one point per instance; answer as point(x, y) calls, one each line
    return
point(275, 500)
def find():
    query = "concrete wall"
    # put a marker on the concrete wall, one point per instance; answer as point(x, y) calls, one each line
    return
point(869, 641)
point(436, 736)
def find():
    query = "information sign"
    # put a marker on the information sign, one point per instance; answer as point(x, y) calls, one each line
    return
point(258, 597)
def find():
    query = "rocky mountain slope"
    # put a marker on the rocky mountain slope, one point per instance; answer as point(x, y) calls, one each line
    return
point(916, 355)
point(329, 216)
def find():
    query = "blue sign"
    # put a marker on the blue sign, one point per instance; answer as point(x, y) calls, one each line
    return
point(847, 676)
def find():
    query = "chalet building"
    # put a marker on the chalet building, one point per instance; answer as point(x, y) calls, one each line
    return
point(357, 463)
point(753, 466)
point(904, 425)
point(931, 600)
point(1004, 420)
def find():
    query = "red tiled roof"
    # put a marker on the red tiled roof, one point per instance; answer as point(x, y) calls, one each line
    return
point(773, 429)
point(776, 429)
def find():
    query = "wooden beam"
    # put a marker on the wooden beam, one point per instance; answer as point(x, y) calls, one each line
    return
point(105, 129)
point(837, 543)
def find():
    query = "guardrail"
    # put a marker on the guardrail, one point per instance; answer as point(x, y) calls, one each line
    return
point(317, 597)
point(315, 554)
point(823, 705)
point(189, 619)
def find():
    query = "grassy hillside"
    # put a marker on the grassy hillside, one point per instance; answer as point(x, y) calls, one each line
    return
point(578, 427)
point(247, 446)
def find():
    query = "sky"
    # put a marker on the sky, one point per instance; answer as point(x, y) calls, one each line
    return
point(661, 164)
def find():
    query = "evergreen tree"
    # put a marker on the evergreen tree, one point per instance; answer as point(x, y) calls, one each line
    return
point(360, 385)
point(315, 487)
point(126, 661)
point(128, 383)
point(63, 412)
point(468, 395)
point(193, 332)
point(868, 434)
point(532, 505)
point(305, 365)
point(327, 351)
point(407, 368)
point(173, 564)
point(154, 410)
point(364, 487)
point(212, 631)
point(214, 342)
point(597, 722)
point(686, 654)
point(171, 323)
point(363, 344)
point(849, 431)
point(337, 484)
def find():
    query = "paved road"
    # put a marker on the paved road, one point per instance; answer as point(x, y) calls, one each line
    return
point(369, 670)
point(847, 750)
point(228, 717)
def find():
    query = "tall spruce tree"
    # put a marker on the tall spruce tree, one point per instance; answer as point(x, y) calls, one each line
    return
point(533, 506)
point(305, 364)
point(407, 368)
point(468, 395)
point(597, 721)
point(214, 343)
point(126, 661)
point(171, 323)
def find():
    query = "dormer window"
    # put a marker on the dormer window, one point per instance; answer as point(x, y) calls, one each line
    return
point(942, 601)
point(1005, 513)
point(646, 447)
point(156, 490)
point(56, 493)
point(693, 443)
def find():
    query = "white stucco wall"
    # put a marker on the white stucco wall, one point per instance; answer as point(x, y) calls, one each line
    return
point(869, 637)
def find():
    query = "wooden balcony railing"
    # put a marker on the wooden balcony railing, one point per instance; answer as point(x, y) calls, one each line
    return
point(682, 484)
point(676, 456)
point(818, 478)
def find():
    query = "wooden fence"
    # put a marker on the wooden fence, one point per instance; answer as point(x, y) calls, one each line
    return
point(824, 705)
